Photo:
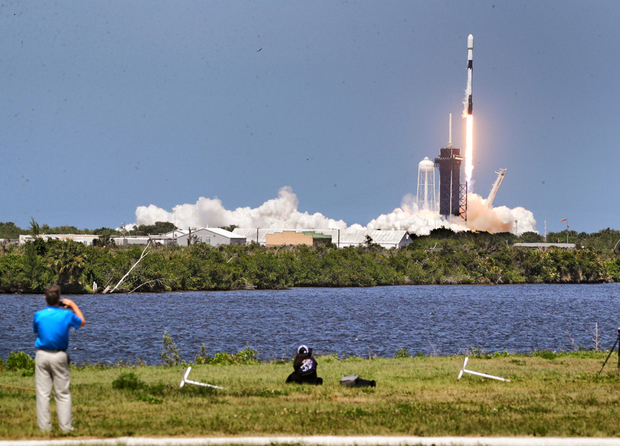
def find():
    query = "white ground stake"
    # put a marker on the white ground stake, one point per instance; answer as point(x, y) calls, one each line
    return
point(484, 375)
point(196, 383)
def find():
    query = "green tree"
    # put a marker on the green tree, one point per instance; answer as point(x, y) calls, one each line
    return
point(35, 229)
point(10, 231)
point(160, 227)
point(531, 237)
point(67, 260)
point(34, 268)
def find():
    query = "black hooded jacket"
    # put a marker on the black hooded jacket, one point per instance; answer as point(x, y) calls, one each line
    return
point(305, 367)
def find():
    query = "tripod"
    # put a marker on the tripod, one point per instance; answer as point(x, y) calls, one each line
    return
point(611, 351)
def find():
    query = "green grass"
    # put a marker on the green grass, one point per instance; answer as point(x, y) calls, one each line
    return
point(550, 395)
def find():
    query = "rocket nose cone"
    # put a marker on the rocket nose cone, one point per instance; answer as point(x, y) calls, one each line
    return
point(470, 42)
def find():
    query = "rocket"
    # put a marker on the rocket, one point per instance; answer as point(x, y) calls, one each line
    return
point(470, 73)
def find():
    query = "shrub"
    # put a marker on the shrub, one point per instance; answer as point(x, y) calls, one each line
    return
point(19, 361)
point(402, 353)
point(203, 357)
point(545, 354)
point(127, 380)
point(171, 354)
point(245, 356)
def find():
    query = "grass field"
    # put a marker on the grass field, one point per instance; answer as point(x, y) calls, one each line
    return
point(550, 395)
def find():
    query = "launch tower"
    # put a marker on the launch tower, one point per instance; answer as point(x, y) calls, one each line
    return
point(452, 195)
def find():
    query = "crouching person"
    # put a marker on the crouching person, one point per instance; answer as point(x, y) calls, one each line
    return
point(304, 366)
point(51, 326)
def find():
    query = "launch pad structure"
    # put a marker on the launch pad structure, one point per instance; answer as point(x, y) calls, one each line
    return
point(452, 194)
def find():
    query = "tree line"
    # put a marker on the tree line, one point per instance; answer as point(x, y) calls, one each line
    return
point(11, 231)
point(444, 257)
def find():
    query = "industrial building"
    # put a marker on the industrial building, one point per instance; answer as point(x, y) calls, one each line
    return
point(142, 240)
point(208, 236)
point(543, 246)
point(81, 238)
point(308, 238)
point(339, 237)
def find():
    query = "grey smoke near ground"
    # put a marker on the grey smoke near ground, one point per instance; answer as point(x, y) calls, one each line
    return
point(282, 212)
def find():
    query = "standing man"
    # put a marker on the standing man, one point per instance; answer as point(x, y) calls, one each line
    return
point(51, 326)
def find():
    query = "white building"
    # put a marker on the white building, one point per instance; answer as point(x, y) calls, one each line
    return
point(340, 237)
point(209, 236)
point(81, 238)
point(142, 240)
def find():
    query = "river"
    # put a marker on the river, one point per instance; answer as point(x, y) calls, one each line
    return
point(377, 321)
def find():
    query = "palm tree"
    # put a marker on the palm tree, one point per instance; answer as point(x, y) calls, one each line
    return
point(35, 229)
point(67, 260)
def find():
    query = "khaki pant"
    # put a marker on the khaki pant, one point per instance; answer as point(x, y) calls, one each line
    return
point(52, 368)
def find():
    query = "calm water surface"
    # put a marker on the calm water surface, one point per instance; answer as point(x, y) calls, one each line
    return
point(376, 321)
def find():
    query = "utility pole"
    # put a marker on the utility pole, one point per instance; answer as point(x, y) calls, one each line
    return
point(566, 228)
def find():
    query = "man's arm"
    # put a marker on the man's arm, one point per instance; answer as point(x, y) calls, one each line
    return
point(69, 303)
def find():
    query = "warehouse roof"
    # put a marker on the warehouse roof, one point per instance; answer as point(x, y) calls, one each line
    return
point(546, 245)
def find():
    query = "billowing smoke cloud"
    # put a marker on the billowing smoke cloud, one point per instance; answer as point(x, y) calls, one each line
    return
point(279, 212)
point(480, 217)
point(282, 212)
point(498, 219)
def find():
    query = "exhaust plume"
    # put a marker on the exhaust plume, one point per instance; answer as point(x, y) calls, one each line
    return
point(282, 212)
point(278, 212)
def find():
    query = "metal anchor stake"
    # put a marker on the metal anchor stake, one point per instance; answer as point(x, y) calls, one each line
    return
point(484, 375)
point(196, 383)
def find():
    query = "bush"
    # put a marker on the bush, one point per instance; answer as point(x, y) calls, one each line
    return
point(140, 390)
point(203, 357)
point(245, 356)
point(545, 354)
point(128, 380)
point(402, 353)
point(171, 354)
point(19, 361)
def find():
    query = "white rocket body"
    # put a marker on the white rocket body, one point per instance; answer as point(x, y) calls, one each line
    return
point(470, 74)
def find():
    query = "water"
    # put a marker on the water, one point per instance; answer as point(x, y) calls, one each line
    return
point(361, 321)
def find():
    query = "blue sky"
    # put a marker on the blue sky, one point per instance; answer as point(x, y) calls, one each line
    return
point(108, 106)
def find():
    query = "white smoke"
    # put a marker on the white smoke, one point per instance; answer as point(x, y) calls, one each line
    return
point(279, 212)
point(480, 217)
point(282, 212)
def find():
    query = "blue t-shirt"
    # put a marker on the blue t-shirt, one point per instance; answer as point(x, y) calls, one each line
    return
point(51, 326)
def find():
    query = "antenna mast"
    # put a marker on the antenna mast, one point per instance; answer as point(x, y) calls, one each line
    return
point(450, 132)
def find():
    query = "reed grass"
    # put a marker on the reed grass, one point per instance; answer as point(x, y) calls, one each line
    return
point(550, 395)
